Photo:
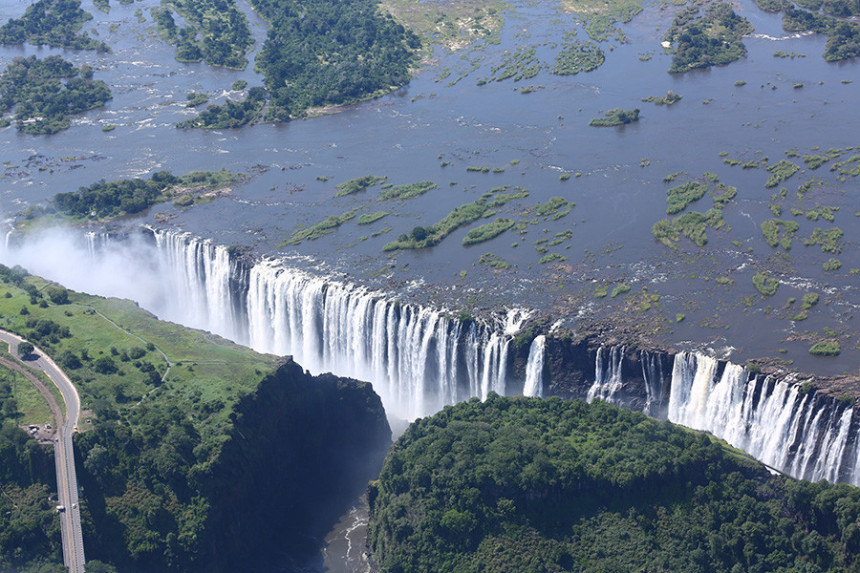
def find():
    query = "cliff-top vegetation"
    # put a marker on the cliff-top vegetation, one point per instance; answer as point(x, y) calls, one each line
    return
point(173, 418)
point(522, 484)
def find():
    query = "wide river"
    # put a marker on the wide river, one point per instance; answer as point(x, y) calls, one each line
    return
point(436, 127)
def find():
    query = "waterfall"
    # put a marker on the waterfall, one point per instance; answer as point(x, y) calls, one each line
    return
point(534, 368)
point(655, 382)
point(773, 420)
point(607, 375)
point(418, 358)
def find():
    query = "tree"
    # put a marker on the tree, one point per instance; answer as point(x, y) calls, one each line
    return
point(25, 349)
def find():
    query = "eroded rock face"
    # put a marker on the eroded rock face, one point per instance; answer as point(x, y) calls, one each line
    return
point(302, 449)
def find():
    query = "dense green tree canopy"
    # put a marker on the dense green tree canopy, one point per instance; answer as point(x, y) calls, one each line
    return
point(53, 23)
point(42, 94)
point(516, 484)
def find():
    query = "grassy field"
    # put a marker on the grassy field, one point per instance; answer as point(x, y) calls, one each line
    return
point(119, 355)
point(454, 23)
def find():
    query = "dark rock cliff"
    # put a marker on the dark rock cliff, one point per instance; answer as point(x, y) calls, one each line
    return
point(302, 449)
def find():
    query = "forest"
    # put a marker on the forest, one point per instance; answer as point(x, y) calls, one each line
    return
point(42, 94)
point(230, 114)
point(710, 39)
point(106, 199)
point(522, 484)
point(54, 23)
point(330, 53)
point(28, 524)
point(177, 417)
point(217, 32)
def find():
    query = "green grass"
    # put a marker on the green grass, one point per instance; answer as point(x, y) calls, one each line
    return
point(764, 284)
point(407, 191)
point(487, 232)
point(680, 196)
point(551, 258)
point(329, 225)
point(780, 172)
point(117, 329)
point(357, 185)
point(31, 403)
point(368, 218)
point(826, 348)
point(809, 300)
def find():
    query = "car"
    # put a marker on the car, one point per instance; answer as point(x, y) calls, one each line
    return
point(74, 506)
point(61, 508)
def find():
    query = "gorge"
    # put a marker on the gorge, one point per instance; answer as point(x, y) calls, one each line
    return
point(420, 358)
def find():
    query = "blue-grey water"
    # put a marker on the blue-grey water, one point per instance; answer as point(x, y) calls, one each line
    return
point(616, 174)
point(430, 130)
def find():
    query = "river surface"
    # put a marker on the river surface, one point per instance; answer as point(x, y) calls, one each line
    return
point(434, 128)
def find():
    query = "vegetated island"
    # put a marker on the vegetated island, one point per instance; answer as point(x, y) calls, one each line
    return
point(54, 23)
point(319, 54)
point(702, 40)
point(616, 117)
point(103, 200)
point(835, 19)
point(525, 484)
point(196, 454)
point(42, 94)
point(217, 32)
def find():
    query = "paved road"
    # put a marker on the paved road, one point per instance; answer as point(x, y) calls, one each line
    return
point(64, 455)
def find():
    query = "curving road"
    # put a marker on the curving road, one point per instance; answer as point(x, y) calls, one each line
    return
point(64, 455)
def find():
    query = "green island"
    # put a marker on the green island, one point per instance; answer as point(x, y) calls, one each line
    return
point(54, 23)
point(42, 94)
point(670, 98)
point(107, 200)
point(577, 56)
point(424, 237)
point(229, 114)
point(601, 17)
point(357, 185)
point(779, 233)
point(524, 484)
point(764, 284)
point(324, 227)
point(616, 117)
point(217, 32)
point(832, 19)
point(370, 218)
point(484, 233)
point(780, 172)
point(407, 190)
point(452, 24)
point(173, 418)
point(195, 99)
point(693, 224)
point(702, 40)
point(325, 52)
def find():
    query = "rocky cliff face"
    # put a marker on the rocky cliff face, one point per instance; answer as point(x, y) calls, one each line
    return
point(302, 449)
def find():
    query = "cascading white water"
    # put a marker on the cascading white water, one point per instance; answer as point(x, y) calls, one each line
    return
point(607, 376)
point(418, 358)
point(652, 373)
point(773, 420)
point(534, 367)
